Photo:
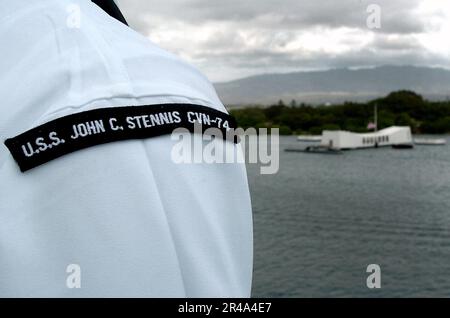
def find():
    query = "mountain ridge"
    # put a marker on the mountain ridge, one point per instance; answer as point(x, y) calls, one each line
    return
point(336, 85)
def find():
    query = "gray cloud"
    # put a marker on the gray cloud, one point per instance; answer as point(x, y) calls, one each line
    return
point(399, 16)
point(235, 38)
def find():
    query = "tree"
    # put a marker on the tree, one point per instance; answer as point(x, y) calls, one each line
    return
point(398, 108)
point(249, 117)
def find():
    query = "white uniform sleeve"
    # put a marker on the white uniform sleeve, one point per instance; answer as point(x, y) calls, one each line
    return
point(136, 223)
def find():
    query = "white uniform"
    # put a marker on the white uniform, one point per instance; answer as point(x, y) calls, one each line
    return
point(137, 224)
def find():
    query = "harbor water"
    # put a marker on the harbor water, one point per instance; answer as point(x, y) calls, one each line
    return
point(322, 219)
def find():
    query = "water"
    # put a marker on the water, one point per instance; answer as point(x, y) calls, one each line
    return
point(323, 218)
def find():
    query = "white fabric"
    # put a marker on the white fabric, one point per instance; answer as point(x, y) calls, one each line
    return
point(138, 224)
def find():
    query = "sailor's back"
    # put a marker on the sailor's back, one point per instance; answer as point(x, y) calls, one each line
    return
point(135, 222)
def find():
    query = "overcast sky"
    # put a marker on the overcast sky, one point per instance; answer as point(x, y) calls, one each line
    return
point(230, 39)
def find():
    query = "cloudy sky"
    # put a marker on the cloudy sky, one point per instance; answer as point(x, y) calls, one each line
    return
point(230, 39)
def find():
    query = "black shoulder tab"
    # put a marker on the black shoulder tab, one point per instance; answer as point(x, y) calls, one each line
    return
point(99, 126)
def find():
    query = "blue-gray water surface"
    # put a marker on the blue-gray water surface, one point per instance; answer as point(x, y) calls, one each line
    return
point(323, 219)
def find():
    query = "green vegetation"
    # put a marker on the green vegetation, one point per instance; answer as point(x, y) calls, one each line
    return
point(403, 108)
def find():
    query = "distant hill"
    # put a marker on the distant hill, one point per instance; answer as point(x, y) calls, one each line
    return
point(337, 85)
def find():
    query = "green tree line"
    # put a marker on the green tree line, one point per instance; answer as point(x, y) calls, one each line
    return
point(402, 108)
